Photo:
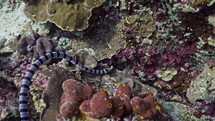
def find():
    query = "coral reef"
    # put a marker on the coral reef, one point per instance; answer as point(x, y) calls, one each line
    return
point(75, 17)
point(109, 32)
point(86, 58)
point(17, 21)
point(161, 49)
point(179, 111)
point(37, 89)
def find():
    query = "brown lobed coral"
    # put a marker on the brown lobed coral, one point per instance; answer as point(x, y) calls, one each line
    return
point(68, 15)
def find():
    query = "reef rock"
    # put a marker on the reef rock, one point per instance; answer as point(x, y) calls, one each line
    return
point(66, 15)
point(203, 87)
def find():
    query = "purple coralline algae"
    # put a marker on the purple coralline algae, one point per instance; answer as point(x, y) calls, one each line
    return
point(150, 60)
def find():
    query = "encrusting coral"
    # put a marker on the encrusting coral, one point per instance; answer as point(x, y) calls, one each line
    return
point(70, 16)
point(141, 25)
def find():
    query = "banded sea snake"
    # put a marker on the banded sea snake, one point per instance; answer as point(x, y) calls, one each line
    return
point(26, 81)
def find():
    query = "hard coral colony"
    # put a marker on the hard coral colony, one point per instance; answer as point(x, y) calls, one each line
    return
point(107, 60)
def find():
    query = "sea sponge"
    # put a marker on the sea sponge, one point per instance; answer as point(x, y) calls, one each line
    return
point(125, 93)
point(67, 15)
point(98, 106)
point(123, 90)
point(145, 105)
point(118, 106)
point(74, 93)
point(69, 108)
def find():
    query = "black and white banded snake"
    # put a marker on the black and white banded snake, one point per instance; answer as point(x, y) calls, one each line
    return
point(26, 81)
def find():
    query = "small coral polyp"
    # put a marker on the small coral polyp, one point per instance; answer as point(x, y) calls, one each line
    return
point(66, 14)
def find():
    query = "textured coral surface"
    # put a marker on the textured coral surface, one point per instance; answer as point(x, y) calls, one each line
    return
point(66, 15)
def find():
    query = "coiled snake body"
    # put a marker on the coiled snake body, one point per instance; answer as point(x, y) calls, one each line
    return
point(26, 82)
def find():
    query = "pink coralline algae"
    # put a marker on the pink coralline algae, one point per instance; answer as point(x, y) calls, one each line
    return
point(8, 98)
point(149, 60)
point(16, 68)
